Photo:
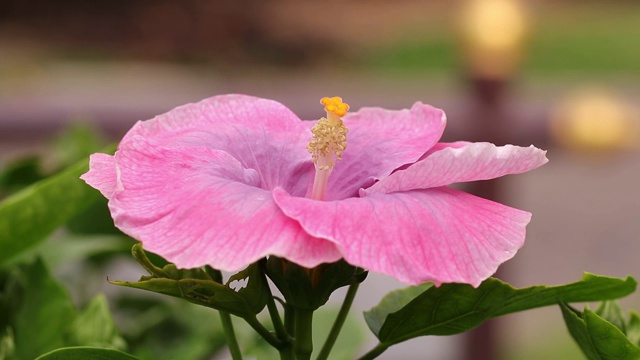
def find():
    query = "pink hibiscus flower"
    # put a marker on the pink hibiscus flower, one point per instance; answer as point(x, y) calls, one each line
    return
point(229, 180)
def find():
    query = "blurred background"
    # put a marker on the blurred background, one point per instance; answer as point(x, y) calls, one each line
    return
point(562, 75)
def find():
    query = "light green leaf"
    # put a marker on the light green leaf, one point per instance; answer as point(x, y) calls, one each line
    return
point(598, 339)
point(7, 345)
point(456, 308)
point(31, 214)
point(612, 312)
point(633, 328)
point(392, 302)
point(95, 327)
point(86, 353)
point(60, 250)
point(348, 345)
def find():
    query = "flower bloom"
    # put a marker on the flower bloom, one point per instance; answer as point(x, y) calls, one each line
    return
point(229, 180)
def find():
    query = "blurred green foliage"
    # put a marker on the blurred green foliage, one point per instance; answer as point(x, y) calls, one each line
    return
point(593, 38)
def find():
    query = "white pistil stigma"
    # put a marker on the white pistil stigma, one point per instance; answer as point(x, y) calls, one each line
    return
point(327, 143)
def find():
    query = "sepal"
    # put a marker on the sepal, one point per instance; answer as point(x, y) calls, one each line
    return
point(309, 289)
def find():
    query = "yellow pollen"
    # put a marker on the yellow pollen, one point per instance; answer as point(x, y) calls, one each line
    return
point(335, 105)
point(329, 138)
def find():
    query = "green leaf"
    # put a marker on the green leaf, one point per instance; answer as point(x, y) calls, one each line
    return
point(7, 345)
point(633, 328)
point(45, 312)
point(60, 250)
point(85, 353)
point(392, 302)
point(162, 328)
point(251, 285)
point(456, 308)
point(347, 346)
point(76, 141)
point(598, 339)
point(612, 312)
point(19, 173)
point(196, 286)
point(38, 316)
point(95, 327)
point(31, 214)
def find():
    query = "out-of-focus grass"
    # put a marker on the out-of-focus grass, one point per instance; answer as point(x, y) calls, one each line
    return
point(562, 348)
point(591, 38)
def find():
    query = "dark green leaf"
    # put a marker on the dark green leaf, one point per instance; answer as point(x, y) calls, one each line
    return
point(456, 308)
point(202, 292)
point(252, 286)
point(578, 330)
point(96, 219)
point(86, 353)
point(28, 216)
point(44, 315)
point(162, 328)
point(196, 286)
point(19, 173)
point(37, 315)
point(598, 338)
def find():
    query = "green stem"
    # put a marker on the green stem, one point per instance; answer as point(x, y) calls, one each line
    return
point(339, 322)
point(286, 352)
point(230, 335)
point(264, 332)
point(303, 345)
point(281, 333)
point(379, 349)
point(289, 320)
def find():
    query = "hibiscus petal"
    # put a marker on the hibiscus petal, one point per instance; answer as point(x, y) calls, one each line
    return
point(261, 134)
point(199, 206)
point(380, 141)
point(440, 235)
point(102, 174)
point(461, 162)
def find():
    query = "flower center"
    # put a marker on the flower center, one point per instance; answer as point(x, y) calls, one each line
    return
point(327, 143)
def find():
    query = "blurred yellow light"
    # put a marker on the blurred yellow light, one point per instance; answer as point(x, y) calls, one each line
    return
point(493, 33)
point(594, 120)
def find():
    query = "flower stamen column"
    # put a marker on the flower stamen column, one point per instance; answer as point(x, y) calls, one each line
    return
point(327, 144)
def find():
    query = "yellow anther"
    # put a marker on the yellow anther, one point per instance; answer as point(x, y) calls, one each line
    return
point(329, 138)
point(335, 105)
point(328, 141)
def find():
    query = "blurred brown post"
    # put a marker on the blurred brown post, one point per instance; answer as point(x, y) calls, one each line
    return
point(492, 36)
point(488, 123)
